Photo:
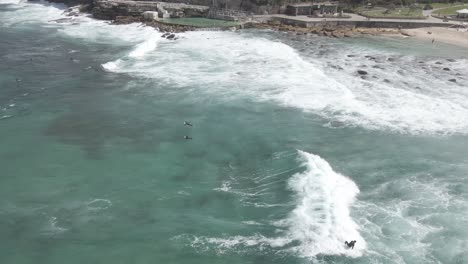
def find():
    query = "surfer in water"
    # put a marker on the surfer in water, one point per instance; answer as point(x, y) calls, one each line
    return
point(350, 244)
point(187, 124)
point(187, 137)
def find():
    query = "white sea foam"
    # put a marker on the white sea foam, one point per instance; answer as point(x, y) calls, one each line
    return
point(251, 223)
point(31, 13)
point(11, 1)
point(89, 29)
point(98, 204)
point(231, 64)
point(321, 219)
point(145, 47)
point(239, 64)
point(52, 227)
point(225, 187)
point(319, 224)
point(83, 27)
point(111, 65)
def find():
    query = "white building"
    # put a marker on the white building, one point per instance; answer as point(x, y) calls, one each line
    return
point(463, 13)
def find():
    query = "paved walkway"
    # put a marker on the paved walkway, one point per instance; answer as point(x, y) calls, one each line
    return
point(354, 17)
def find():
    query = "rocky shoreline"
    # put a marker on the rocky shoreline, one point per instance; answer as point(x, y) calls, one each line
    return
point(335, 31)
point(327, 30)
point(161, 26)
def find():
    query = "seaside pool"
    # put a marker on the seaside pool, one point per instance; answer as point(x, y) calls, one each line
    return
point(201, 22)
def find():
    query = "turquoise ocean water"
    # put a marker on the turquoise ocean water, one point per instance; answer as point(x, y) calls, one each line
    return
point(293, 152)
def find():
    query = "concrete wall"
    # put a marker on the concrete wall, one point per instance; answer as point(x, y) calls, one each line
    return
point(369, 24)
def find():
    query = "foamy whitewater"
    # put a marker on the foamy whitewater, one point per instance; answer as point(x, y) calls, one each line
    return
point(321, 220)
point(401, 95)
point(416, 100)
point(293, 152)
point(319, 223)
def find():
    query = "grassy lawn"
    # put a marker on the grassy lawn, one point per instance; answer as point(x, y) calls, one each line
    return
point(443, 5)
point(397, 13)
point(449, 11)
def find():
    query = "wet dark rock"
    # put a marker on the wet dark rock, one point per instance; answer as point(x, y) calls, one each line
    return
point(390, 59)
point(451, 60)
point(171, 36)
point(452, 80)
point(438, 62)
point(336, 67)
point(370, 57)
point(446, 69)
point(361, 72)
point(335, 124)
point(351, 56)
point(421, 62)
point(337, 35)
point(387, 81)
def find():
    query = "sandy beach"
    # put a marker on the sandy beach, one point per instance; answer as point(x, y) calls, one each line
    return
point(453, 36)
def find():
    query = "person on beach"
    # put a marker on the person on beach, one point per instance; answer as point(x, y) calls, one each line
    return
point(187, 137)
point(350, 244)
point(187, 124)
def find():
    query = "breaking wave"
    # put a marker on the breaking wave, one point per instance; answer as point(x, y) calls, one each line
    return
point(321, 219)
point(402, 96)
point(319, 223)
point(232, 64)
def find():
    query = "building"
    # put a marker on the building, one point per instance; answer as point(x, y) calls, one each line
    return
point(462, 14)
point(299, 9)
point(309, 9)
